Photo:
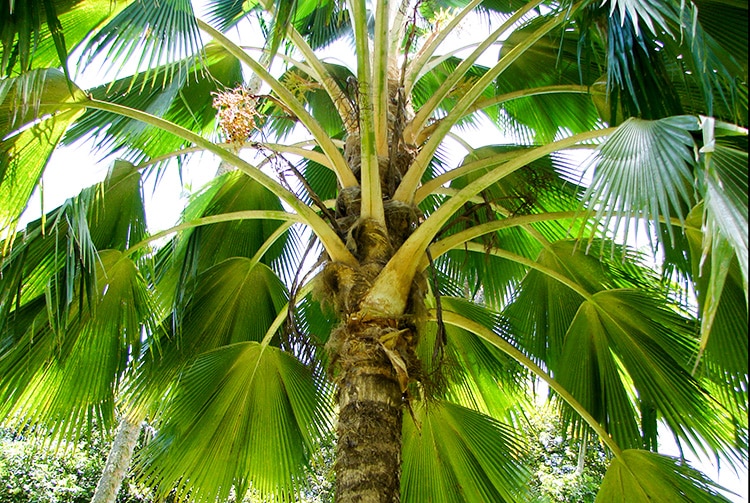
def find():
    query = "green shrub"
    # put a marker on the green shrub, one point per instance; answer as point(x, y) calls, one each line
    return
point(557, 476)
point(34, 472)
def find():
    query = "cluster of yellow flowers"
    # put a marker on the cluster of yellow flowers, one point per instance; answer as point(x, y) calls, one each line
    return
point(236, 113)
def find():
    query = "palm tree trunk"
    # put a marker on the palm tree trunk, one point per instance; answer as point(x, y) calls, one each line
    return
point(371, 359)
point(368, 453)
point(118, 461)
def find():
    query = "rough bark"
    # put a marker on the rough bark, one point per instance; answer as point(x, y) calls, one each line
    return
point(368, 456)
point(118, 461)
point(373, 362)
point(372, 354)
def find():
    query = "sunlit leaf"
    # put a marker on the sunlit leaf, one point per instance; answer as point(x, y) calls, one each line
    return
point(643, 171)
point(724, 344)
point(151, 32)
point(624, 334)
point(554, 60)
point(185, 98)
point(726, 202)
point(454, 454)
point(641, 477)
point(41, 33)
point(33, 118)
point(465, 369)
point(249, 391)
point(234, 301)
point(67, 380)
point(543, 307)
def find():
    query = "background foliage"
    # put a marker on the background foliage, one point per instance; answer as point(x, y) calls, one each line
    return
point(31, 472)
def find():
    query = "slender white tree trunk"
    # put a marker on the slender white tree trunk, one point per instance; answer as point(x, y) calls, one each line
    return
point(118, 461)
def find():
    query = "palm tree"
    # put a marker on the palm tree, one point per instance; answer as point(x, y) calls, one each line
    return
point(355, 279)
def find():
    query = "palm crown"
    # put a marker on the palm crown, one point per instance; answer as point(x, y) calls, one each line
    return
point(353, 278)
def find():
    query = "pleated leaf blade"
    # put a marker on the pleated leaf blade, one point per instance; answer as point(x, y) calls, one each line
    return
point(454, 454)
point(643, 477)
point(244, 415)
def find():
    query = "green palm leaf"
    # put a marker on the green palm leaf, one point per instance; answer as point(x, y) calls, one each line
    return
point(151, 32)
point(314, 323)
point(323, 23)
point(185, 99)
point(319, 22)
point(726, 202)
point(453, 454)
point(635, 67)
point(483, 275)
point(40, 33)
point(713, 16)
point(245, 390)
point(311, 92)
point(624, 332)
point(650, 12)
point(227, 13)
point(469, 368)
point(644, 171)
point(199, 248)
point(23, 158)
point(215, 281)
point(548, 298)
point(554, 60)
point(641, 476)
point(723, 94)
point(535, 189)
point(429, 83)
point(68, 380)
point(723, 355)
point(235, 300)
point(118, 217)
point(61, 297)
point(29, 133)
point(59, 251)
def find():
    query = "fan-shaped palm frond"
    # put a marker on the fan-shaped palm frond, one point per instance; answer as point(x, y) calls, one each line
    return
point(186, 99)
point(258, 393)
point(447, 457)
point(41, 33)
point(645, 170)
point(465, 369)
point(626, 333)
point(723, 348)
point(553, 61)
point(215, 280)
point(67, 379)
point(67, 287)
point(32, 128)
point(151, 33)
point(725, 202)
point(549, 296)
point(641, 476)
